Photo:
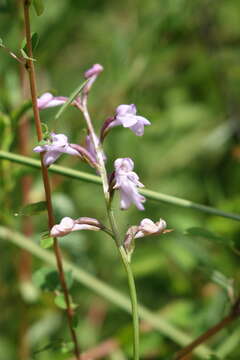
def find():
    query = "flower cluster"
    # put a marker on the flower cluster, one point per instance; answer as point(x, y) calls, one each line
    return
point(123, 179)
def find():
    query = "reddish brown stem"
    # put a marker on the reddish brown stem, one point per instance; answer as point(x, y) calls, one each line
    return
point(45, 177)
point(205, 336)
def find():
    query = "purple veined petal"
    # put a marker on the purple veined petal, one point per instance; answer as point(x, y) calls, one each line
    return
point(143, 120)
point(59, 139)
point(125, 201)
point(127, 120)
point(85, 227)
point(39, 149)
point(70, 151)
point(43, 100)
point(132, 176)
point(123, 110)
point(48, 100)
point(124, 164)
point(50, 157)
point(57, 101)
point(138, 127)
point(93, 71)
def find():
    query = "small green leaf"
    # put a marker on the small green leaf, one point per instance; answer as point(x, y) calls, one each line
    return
point(32, 209)
point(47, 279)
point(1, 42)
point(38, 6)
point(46, 242)
point(25, 56)
point(34, 42)
point(60, 301)
point(204, 233)
point(72, 96)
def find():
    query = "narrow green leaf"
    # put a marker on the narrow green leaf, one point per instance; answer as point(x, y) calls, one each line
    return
point(32, 209)
point(38, 6)
point(60, 301)
point(72, 96)
point(1, 42)
point(46, 242)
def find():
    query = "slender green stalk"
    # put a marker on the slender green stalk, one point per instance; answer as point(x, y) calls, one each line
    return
point(133, 295)
point(150, 194)
point(113, 223)
point(156, 320)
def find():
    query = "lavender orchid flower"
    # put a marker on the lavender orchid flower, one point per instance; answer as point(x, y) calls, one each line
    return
point(92, 74)
point(47, 100)
point(147, 227)
point(57, 145)
point(67, 225)
point(127, 181)
point(126, 116)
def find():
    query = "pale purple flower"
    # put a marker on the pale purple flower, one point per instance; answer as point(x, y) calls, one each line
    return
point(126, 116)
point(127, 181)
point(148, 227)
point(96, 69)
point(47, 100)
point(92, 74)
point(67, 225)
point(57, 145)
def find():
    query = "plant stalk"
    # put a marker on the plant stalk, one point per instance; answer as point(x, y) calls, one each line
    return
point(115, 231)
point(45, 177)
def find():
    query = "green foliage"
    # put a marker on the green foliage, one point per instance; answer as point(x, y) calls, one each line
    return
point(47, 279)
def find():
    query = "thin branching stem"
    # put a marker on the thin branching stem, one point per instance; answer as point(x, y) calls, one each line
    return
point(45, 177)
point(232, 316)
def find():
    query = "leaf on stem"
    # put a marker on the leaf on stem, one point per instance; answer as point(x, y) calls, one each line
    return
point(47, 279)
point(34, 42)
point(72, 96)
point(46, 241)
point(38, 6)
point(32, 209)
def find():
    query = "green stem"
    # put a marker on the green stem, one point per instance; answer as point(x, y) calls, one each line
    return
point(150, 194)
point(134, 303)
point(114, 228)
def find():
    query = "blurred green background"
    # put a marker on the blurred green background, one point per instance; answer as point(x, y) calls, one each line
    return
point(178, 61)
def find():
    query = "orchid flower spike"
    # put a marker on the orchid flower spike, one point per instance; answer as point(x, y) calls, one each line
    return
point(127, 182)
point(57, 145)
point(126, 116)
point(67, 225)
point(91, 75)
point(47, 100)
